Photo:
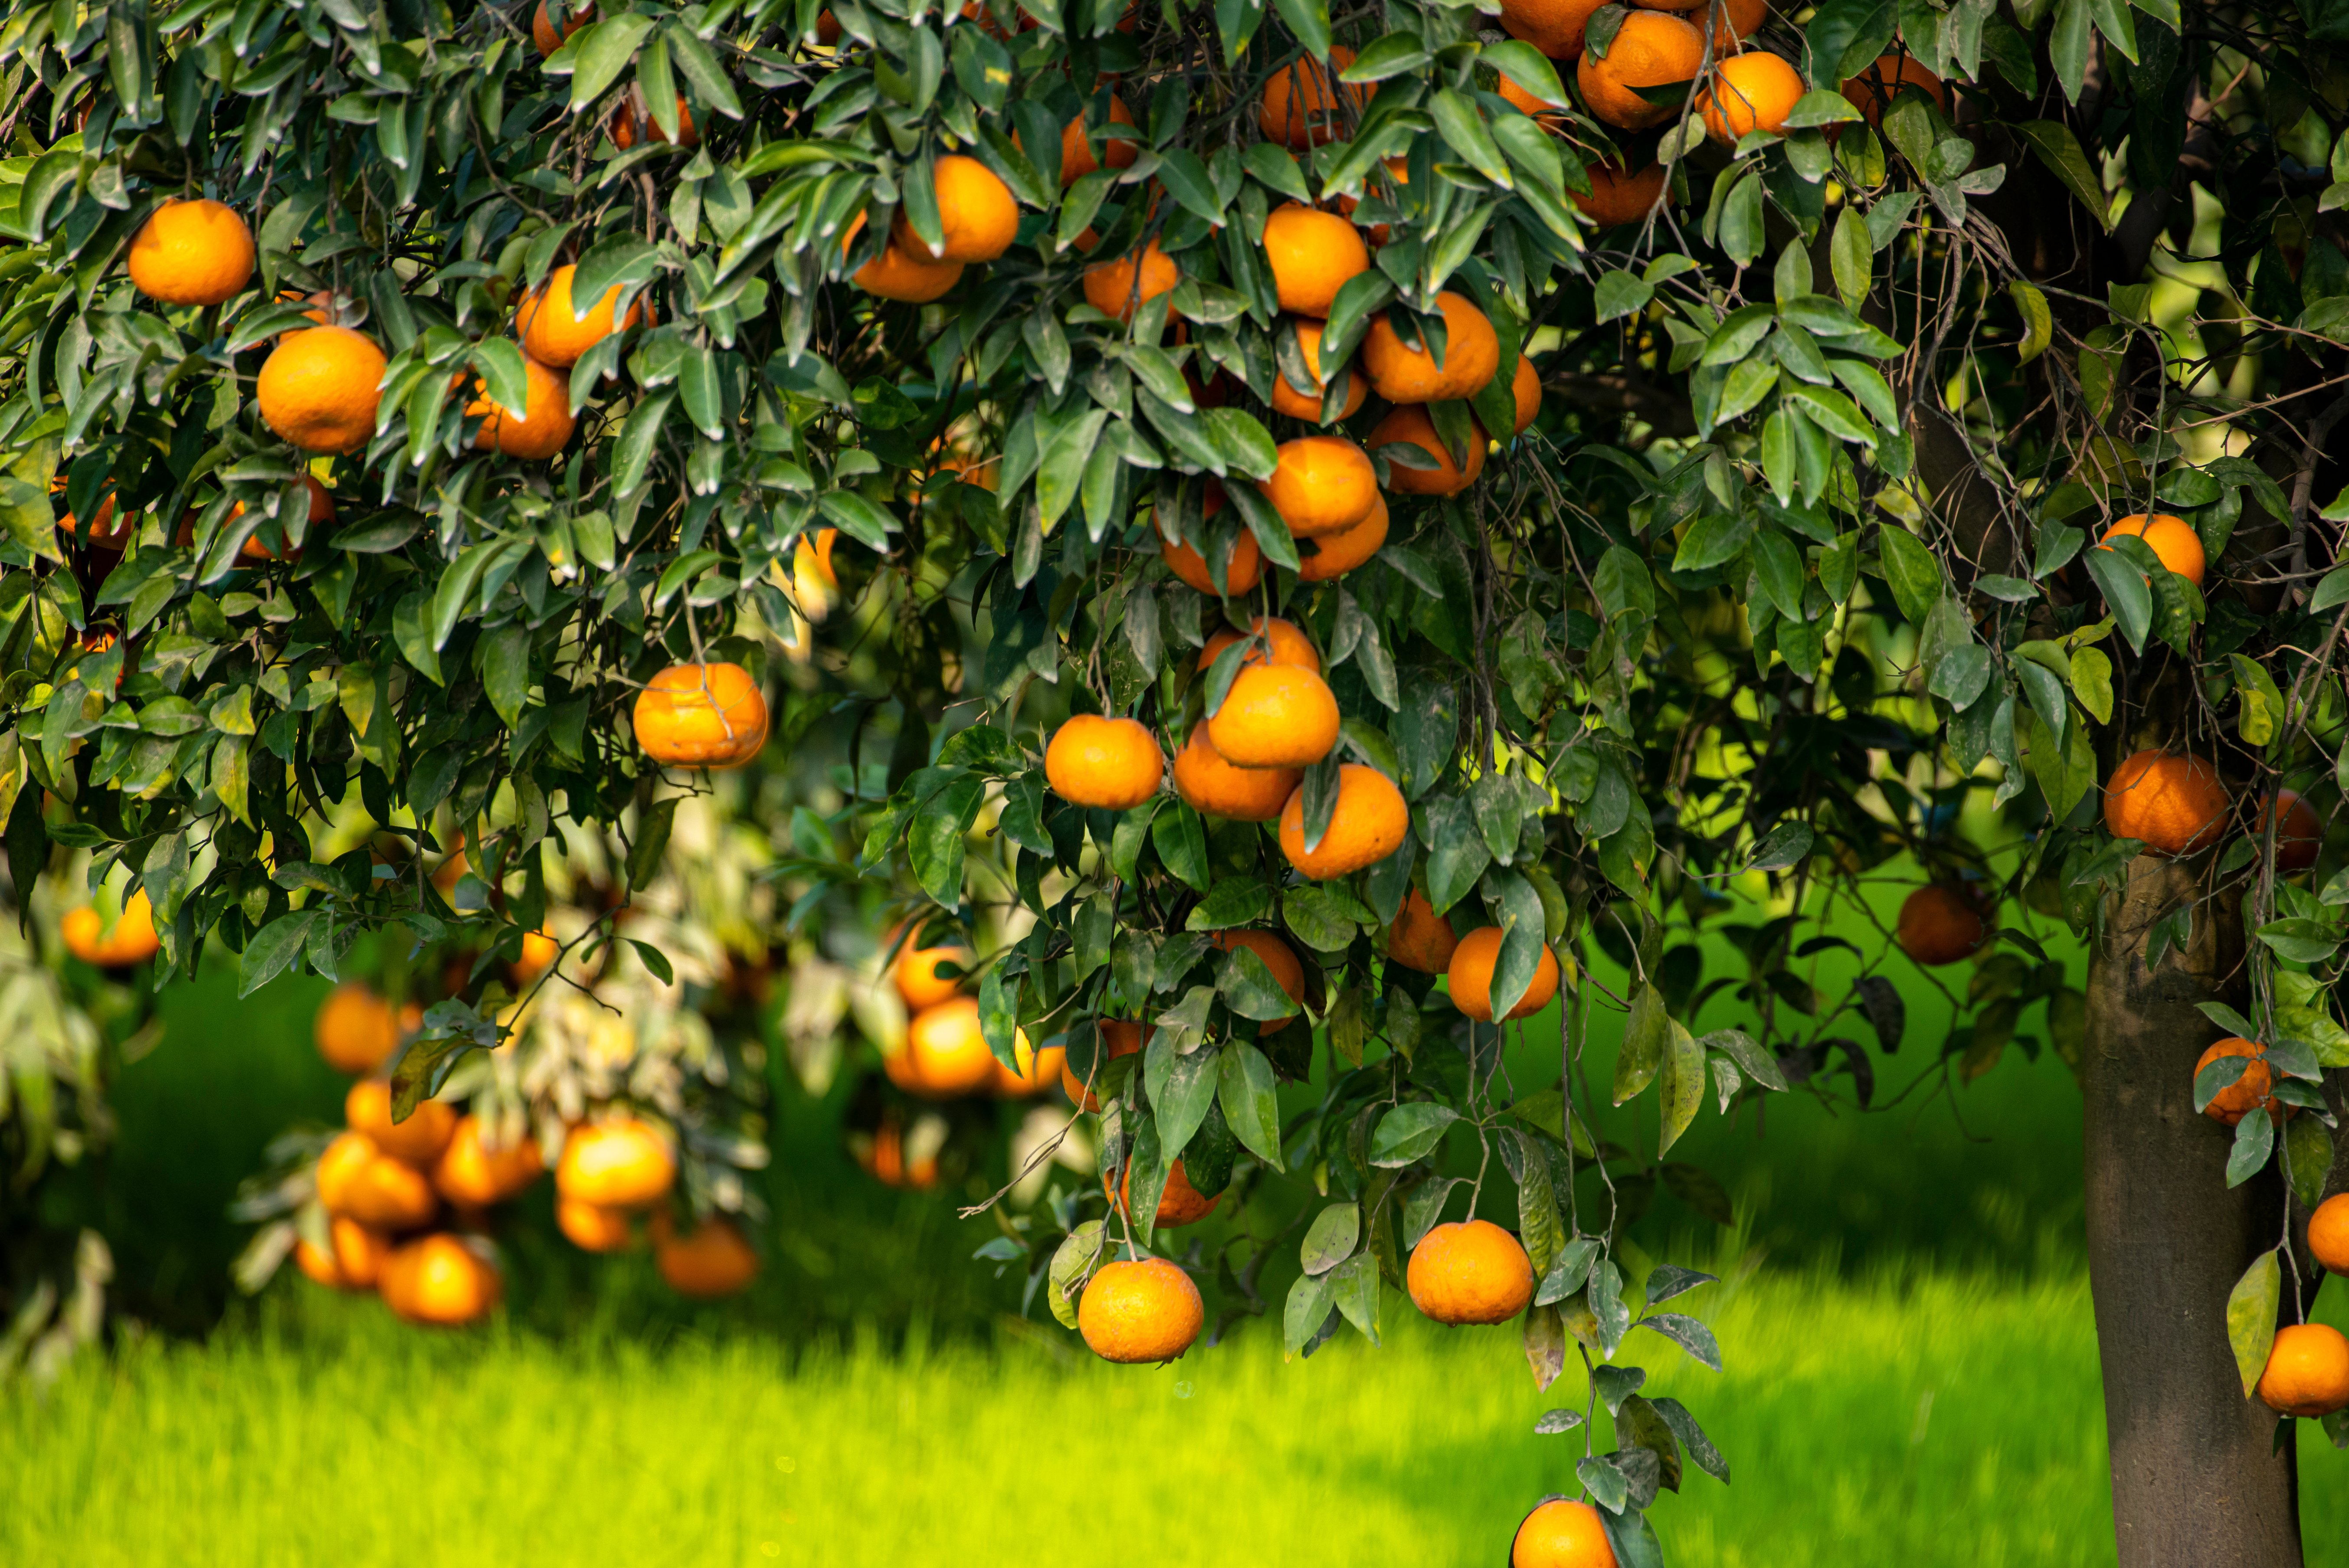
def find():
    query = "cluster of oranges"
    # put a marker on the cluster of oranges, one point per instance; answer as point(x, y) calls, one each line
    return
point(2307, 1371)
point(131, 941)
point(945, 1055)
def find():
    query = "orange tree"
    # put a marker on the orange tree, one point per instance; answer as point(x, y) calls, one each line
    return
point(1631, 450)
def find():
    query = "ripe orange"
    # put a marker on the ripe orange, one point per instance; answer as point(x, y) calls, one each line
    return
point(1754, 91)
point(1122, 286)
point(1274, 716)
point(1939, 925)
point(1472, 353)
point(1282, 641)
point(539, 949)
point(1618, 196)
point(472, 1175)
point(338, 1167)
point(1411, 426)
point(917, 977)
point(351, 1260)
point(106, 531)
point(2298, 837)
point(2234, 1102)
point(1217, 789)
point(1651, 49)
point(554, 335)
point(541, 26)
point(1524, 386)
point(1300, 104)
point(2307, 1372)
point(1562, 1533)
point(387, 1193)
point(1122, 1039)
point(132, 940)
point(2328, 1233)
point(191, 252)
point(897, 275)
point(1872, 91)
point(438, 1280)
point(321, 509)
point(1548, 118)
point(420, 1139)
point(1420, 938)
point(1037, 1070)
point(1287, 399)
point(593, 1228)
point(946, 1055)
point(977, 218)
point(544, 425)
point(1335, 554)
point(1311, 254)
point(2172, 539)
point(617, 1164)
point(625, 126)
point(1740, 20)
point(1112, 763)
point(1553, 26)
point(713, 1261)
point(356, 1030)
point(1469, 1271)
point(1286, 972)
point(1180, 1204)
point(1321, 484)
point(1367, 824)
point(1145, 1310)
point(1469, 976)
point(320, 388)
point(2176, 804)
point(1076, 158)
point(1242, 568)
point(701, 716)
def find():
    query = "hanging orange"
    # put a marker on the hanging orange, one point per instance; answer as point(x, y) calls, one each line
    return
point(1366, 825)
point(1274, 716)
point(1469, 976)
point(712, 1261)
point(701, 716)
point(1420, 938)
point(1401, 374)
point(418, 1140)
point(1411, 426)
point(1939, 925)
point(1651, 49)
point(544, 425)
point(1321, 484)
point(320, 387)
point(622, 1163)
point(1217, 789)
point(2172, 540)
point(1750, 92)
point(1299, 107)
point(1618, 197)
point(132, 940)
point(554, 335)
point(1112, 763)
point(1469, 1271)
point(2176, 804)
point(1122, 286)
point(978, 217)
point(1335, 554)
point(1146, 1310)
point(1287, 399)
point(191, 252)
point(438, 1280)
point(1312, 255)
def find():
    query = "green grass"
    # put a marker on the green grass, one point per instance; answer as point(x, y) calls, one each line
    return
point(1936, 1419)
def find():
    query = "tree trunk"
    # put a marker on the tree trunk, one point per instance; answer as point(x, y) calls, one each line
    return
point(2198, 1481)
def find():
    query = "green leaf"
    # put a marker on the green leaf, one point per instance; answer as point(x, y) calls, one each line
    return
point(2052, 143)
point(2127, 593)
point(2251, 1315)
point(1410, 1132)
point(600, 52)
point(1309, 20)
point(1647, 1035)
point(274, 947)
point(1235, 901)
point(1911, 570)
point(1851, 256)
point(503, 660)
point(1303, 1314)
point(1181, 840)
point(1244, 1090)
point(2038, 324)
point(1528, 68)
point(1329, 1240)
point(2254, 1147)
point(935, 840)
point(1682, 1090)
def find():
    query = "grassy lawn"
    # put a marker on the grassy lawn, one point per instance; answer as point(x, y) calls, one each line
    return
point(1935, 1419)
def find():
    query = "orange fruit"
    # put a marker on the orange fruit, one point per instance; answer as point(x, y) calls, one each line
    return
point(2234, 1102)
point(701, 716)
point(1469, 1271)
point(1217, 789)
point(917, 977)
point(1321, 484)
point(1121, 287)
point(1524, 386)
point(338, 1167)
point(1411, 426)
point(538, 950)
point(945, 1056)
point(1335, 554)
point(541, 28)
point(711, 1262)
point(1076, 158)
point(351, 1260)
point(438, 1280)
point(1037, 1071)
point(1299, 107)
point(2172, 539)
point(591, 1227)
point(1367, 824)
point(1651, 49)
point(977, 218)
point(420, 1139)
point(2298, 837)
point(625, 126)
point(2328, 1233)
point(1145, 1310)
point(617, 1164)
point(1872, 91)
point(1287, 399)
point(1286, 972)
point(1939, 925)
point(1740, 20)
point(1420, 938)
point(1243, 567)
point(321, 509)
point(1553, 26)
point(472, 1175)
point(1123, 1039)
point(1112, 763)
point(1562, 1533)
point(1517, 97)
point(900, 274)
point(1750, 92)
point(2307, 1372)
point(191, 252)
point(1282, 641)
point(2176, 804)
point(1274, 716)
point(554, 335)
point(1311, 254)
point(106, 531)
point(1469, 976)
point(544, 425)
point(132, 940)
point(356, 1030)
point(1472, 353)
point(320, 388)
point(1180, 1204)
point(387, 1193)
point(1618, 196)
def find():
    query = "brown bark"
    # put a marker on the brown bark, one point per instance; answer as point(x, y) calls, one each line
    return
point(2197, 1479)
